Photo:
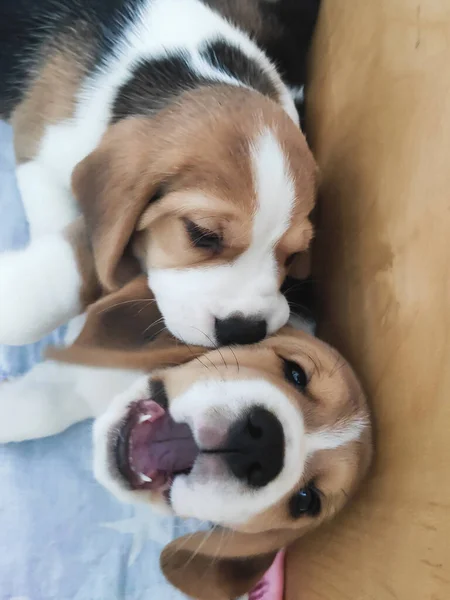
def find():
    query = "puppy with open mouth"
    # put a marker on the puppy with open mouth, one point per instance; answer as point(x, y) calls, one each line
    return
point(265, 441)
point(240, 437)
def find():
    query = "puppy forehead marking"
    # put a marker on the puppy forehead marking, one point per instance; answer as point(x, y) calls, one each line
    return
point(332, 437)
point(275, 191)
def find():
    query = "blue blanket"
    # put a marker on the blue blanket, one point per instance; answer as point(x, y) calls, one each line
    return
point(62, 536)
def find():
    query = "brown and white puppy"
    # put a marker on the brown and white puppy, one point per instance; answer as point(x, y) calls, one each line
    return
point(181, 145)
point(266, 441)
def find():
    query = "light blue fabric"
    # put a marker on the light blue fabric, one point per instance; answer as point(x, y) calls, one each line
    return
point(62, 536)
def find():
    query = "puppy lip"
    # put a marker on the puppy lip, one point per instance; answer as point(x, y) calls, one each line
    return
point(150, 449)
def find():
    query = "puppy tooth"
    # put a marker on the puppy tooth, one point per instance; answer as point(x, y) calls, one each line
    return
point(145, 478)
point(144, 418)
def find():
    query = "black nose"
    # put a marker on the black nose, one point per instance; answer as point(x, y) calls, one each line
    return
point(238, 330)
point(254, 449)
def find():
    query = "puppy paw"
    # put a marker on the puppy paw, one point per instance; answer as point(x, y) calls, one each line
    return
point(39, 290)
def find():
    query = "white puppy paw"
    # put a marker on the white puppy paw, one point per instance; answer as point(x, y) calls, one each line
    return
point(39, 290)
point(49, 207)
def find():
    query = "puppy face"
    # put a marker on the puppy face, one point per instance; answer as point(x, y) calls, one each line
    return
point(266, 441)
point(211, 199)
point(274, 437)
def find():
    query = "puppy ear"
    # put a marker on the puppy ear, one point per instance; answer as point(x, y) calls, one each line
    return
point(125, 330)
point(128, 319)
point(222, 565)
point(113, 186)
point(202, 578)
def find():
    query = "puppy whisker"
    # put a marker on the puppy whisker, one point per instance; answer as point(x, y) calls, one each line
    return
point(195, 356)
point(214, 346)
point(235, 358)
point(156, 323)
point(223, 537)
point(135, 301)
point(199, 547)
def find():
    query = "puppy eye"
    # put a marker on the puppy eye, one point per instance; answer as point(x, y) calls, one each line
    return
point(290, 259)
point(306, 502)
point(295, 374)
point(202, 238)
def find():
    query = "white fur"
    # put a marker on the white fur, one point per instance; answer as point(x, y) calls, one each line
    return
point(39, 289)
point(297, 92)
point(250, 284)
point(48, 205)
point(302, 323)
point(339, 435)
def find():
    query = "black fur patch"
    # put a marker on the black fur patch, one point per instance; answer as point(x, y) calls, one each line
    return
point(154, 83)
point(30, 29)
point(231, 60)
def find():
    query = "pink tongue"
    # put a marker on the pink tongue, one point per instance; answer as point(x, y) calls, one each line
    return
point(160, 446)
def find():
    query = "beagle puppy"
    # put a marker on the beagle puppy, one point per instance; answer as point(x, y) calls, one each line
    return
point(265, 441)
point(168, 128)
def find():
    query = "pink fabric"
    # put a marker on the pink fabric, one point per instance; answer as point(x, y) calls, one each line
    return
point(271, 586)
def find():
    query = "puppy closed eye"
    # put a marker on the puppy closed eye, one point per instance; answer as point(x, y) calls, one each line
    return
point(306, 502)
point(295, 374)
point(202, 238)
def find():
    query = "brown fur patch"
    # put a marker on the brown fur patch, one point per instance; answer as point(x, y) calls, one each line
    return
point(50, 97)
point(220, 579)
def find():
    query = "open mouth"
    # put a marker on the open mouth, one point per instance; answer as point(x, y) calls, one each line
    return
point(151, 449)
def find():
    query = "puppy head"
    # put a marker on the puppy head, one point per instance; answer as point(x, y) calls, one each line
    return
point(265, 441)
point(210, 198)
point(254, 437)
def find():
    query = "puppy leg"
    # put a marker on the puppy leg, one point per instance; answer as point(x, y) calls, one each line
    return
point(53, 396)
point(49, 206)
point(39, 290)
point(41, 403)
point(45, 285)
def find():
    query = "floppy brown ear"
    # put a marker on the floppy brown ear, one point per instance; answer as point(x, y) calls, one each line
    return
point(113, 186)
point(222, 565)
point(125, 330)
point(202, 578)
point(124, 320)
